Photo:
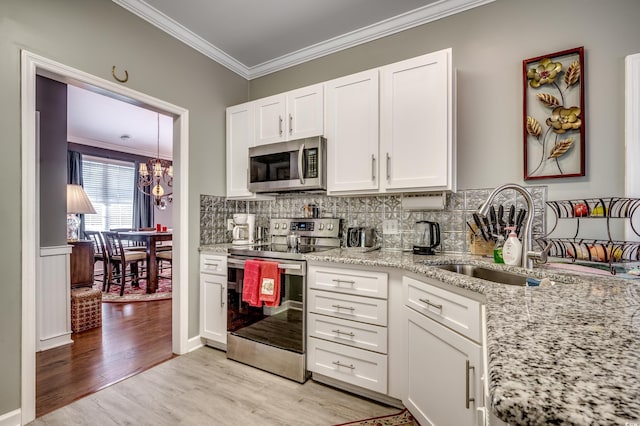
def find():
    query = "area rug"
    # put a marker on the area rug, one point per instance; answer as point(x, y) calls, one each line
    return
point(403, 418)
point(138, 294)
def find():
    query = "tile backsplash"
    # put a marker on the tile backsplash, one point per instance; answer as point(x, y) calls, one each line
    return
point(370, 211)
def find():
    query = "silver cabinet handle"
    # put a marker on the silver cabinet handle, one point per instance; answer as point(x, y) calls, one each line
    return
point(221, 296)
point(430, 303)
point(467, 399)
point(301, 163)
point(215, 265)
point(339, 281)
point(289, 266)
point(343, 307)
point(339, 364)
point(373, 167)
point(280, 125)
point(290, 124)
point(340, 332)
point(388, 168)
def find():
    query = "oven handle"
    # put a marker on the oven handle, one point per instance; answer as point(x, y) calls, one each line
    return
point(239, 263)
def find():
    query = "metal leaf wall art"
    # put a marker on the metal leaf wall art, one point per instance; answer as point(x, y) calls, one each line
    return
point(554, 143)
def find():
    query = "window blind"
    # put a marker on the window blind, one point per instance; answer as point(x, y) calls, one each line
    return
point(109, 184)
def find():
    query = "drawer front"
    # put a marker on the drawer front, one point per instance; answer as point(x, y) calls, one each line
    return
point(357, 334)
point(213, 264)
point(351, 365)
point(363, 309)
point(450, 309)
point(349, 281)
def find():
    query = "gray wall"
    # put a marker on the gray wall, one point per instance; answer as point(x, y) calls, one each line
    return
point(94, 35)
point(489, 44)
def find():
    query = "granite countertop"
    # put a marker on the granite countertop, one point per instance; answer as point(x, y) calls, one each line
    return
point(563, 354)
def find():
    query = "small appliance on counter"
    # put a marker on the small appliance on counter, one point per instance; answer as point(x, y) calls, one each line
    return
point(361, 237)
point(427, 237)
point(244, 228)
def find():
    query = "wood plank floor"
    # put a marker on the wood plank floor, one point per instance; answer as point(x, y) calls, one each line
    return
point(205, 388)
point(134, 337)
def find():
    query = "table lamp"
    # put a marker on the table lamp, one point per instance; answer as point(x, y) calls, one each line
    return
point(77, 203)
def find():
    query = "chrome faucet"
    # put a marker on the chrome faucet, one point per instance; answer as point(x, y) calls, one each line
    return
point(527, 253)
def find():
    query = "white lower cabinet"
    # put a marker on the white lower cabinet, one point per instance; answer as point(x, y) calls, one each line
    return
point(213, 300)
point(444, 368)
point(346, 327)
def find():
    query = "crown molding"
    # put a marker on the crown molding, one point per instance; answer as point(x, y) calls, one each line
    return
point(426, 14)
point(120, 148)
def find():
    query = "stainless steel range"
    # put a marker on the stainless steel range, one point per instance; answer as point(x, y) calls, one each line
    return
point(271, 337)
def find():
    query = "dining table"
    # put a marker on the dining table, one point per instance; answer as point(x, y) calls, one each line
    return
point(150, 239)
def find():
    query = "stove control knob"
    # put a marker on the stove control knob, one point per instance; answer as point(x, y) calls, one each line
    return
point(322, 226)
point(276, 226)
point(330, 227)
point(284, 226)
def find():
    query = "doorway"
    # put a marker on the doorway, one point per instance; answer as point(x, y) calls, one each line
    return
point(33, 65)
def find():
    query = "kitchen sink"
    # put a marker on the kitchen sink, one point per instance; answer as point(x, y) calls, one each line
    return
point(487, 274)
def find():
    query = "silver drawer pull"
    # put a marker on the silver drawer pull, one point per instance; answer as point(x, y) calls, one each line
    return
point(343, 307)
point(430, 303)
point(339, 364)
point(215, 265)
point(339, 281)
point(289, 266)
point(340, 332)
point(468, 400)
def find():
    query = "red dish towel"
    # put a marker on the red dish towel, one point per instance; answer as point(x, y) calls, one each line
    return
point(251, 284)
point(269, 283)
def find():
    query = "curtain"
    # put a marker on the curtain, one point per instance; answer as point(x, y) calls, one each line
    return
point(74, 176)
point(142, 204)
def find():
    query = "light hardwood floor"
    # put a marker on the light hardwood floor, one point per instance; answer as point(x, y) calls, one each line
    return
point(204, 388)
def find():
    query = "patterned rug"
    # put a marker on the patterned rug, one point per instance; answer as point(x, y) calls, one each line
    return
point(403, 418)
point(137, 294)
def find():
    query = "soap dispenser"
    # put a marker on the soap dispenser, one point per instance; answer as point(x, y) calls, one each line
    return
point(512, 250)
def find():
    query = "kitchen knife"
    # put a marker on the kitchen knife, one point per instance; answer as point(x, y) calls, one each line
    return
point(522, 213)
point(476, 219)
point(501, 222)
point(487, 225)
point(512, 214)
point(494, 220)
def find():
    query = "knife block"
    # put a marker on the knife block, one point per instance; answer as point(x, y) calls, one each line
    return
point(478, 246)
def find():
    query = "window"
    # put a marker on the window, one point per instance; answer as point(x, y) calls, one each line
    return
point(109, 185)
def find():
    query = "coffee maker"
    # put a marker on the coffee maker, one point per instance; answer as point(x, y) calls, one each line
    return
point(427, 237)
point(244, 228)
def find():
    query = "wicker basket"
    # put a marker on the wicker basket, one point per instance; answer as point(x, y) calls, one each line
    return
point(86, 309)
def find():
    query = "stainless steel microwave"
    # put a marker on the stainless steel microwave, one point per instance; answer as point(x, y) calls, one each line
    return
point(298, 165)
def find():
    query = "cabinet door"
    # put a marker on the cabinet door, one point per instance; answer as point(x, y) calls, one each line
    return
point(239, 139)
point(270, 120)
point(444, 373)
point(352, 133)
point(305, 112)
point(416, 130)
point(213, 308)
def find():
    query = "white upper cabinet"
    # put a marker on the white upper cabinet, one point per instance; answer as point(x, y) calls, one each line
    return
point(352, 133)
point(417, 148)
point(292, 115)
point(240, 124)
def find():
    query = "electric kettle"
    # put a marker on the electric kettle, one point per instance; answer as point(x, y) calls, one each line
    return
point(427, 237)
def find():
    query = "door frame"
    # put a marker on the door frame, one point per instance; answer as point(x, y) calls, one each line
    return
point(31, 66)
point(632, 135)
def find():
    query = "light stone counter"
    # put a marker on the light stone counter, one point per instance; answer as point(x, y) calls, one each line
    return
point(564, 354)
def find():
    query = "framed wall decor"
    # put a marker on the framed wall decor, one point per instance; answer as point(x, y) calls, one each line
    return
point(553, 112)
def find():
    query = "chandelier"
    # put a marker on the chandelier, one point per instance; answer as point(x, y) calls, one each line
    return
point(155, 175)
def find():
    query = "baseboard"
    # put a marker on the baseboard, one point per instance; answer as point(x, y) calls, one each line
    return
point(194, 343)
point(12, 418)
point(54, 342)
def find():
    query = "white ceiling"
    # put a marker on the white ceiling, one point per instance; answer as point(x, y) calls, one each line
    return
point(250, 37)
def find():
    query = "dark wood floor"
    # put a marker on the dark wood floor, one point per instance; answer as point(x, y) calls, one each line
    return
point(133, 337)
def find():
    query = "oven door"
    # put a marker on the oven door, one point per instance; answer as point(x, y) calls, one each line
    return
point(281, 326)
point(288, 166)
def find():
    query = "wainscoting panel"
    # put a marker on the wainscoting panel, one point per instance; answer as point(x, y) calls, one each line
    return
point(53, 298)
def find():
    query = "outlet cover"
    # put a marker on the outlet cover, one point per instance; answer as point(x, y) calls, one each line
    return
point(390, 226)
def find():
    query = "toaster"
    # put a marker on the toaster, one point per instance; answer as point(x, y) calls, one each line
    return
point(361, 237)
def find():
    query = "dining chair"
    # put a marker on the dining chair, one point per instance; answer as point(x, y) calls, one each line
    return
point(165, 256)
point(99, 254)
point(121, 260)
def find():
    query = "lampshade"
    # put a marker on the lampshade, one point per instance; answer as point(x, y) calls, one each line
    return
point(77, 201)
